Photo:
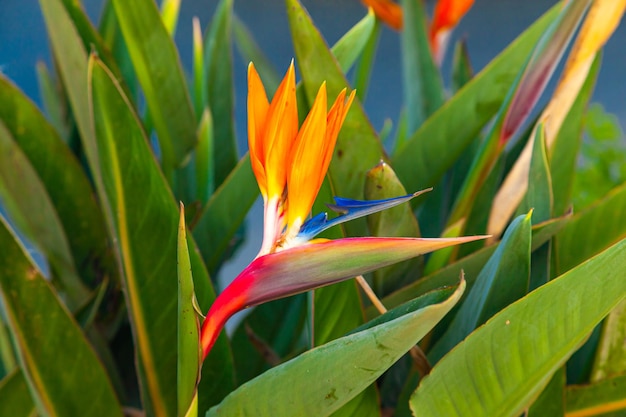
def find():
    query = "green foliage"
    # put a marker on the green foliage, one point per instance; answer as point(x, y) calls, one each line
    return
point(107, 320)
point(602, 162)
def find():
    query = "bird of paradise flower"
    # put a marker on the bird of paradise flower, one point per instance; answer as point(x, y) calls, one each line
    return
point(290, 164)
point(446, 16)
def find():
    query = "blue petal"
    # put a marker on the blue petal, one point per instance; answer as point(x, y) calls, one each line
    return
point(349, 209)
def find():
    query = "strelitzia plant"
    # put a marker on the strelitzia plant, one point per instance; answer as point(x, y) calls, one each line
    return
point(290, 165)
point(112, 306)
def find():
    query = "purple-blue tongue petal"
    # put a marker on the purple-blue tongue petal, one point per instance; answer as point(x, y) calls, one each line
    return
point(349, 209)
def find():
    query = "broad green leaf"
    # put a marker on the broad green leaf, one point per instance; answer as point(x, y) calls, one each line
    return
point(224, 213)
point(422, 85)
point(340, 369)
point(267, 335)
point(15, 399)
point(65, 364)
point(432, 150)
point(358, 149)
point(188, 366)
point(219, 87)
point(65, 182)
point(502, 281)
point(592, 230)
point(145, 221)
point(564, 153)
point(159, 72)
point(381, 183)
point(554, 319)
point(603, 398)
point(31, 210)
point(610, 359)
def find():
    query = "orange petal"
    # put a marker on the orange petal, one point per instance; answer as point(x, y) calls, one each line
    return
point(387, 11)
point(336, 116)
point(305, 162)
point(447, 15)
point(257, 112)
point(281, 129)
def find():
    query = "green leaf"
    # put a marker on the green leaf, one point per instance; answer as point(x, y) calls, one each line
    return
point(15, 399)
point(65, 364)
point(539, 198)
point(188, 326)
point(65, 183)
point(358, 148)
point(422, 84)
point(203, 158)
point(592, 230)
point(602, 160)
point(71, 58)
point(428, 153)
point(112, 36)
point(8, 362)
point(539, 194)
point(462, 71)
point(91, 39)
point(365, 65)
point(564, 153)
point(145, 221)
point(54, 106)
point(159, 72)
point(340, 369)
point(503, 280)
point(554, 319)
point(31, 210)
point(224, 213)
point(356, 42)
point(381, 183)
point(551, 401)
point(219, 85)
point(600, 398)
